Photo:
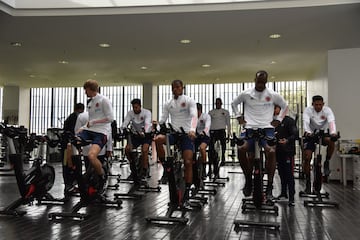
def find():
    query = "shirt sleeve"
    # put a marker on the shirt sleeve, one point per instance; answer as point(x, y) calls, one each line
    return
point(234, 105)
point(126, 121)
point(306, 120)
point(279, 100)
point(193, 114)
point(148, 121)
point(228, 125)
point(207, 124)
point(331, 121)
point(165, 114)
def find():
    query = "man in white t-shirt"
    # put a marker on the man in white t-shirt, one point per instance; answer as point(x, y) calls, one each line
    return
point(220, 125)
point(317, 117)
point(183, 114)
point(140, 120)
point(97, 128)
point(259, 105)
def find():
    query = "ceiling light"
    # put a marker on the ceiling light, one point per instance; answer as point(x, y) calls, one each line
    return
point(273, 62)
point(104, 45)
point(185, 41)
point(63, 62)
point(272, 77)
point(206, 65)
point(143, 68)
point(15, 44)
point(275, 36)
point(32, 76)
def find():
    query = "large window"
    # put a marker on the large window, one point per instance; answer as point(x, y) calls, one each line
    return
point(49, 107)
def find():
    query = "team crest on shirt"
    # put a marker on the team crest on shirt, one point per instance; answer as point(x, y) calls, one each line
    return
point(323, 117)
point(141, 118)
point(183, 104)
point(268, 99)
point(97, 105)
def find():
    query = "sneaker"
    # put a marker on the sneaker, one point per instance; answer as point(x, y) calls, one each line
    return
point(164, 179)
point(308, 187)
point(101, 186)
point(291, 203)
point(130, 177)
point(282, 196)
point(247, 189)
point(269, 195)
point(327, 167)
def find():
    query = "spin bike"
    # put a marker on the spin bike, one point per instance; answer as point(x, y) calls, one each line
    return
point(174, 165)
point(200, 189)
point(256, 202)
point(317, 196)
point(34, 183)
point(135, 178)
point(89, 194)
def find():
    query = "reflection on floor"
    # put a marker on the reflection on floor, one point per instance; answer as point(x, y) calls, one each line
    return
point(213, 221)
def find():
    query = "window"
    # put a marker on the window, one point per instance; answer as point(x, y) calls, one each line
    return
point(49, 107)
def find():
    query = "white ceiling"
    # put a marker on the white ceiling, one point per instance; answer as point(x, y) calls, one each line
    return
point(232, 38)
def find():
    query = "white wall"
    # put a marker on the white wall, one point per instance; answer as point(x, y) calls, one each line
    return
point(11, 108)
point(344, 87)
point(318, 85)
point(24, 107)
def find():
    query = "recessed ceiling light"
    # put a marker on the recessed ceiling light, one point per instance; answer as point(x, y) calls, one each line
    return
point(104, 45)
point(185, 41)
point(273, 62)
point(275, 36)
point(15, 44)
point(31, 76)
point(272, 77)
point(143, 68)
point(63, 62)
point(206, 65)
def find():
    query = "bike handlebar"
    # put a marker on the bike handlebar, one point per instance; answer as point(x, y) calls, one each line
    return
point(318, 134)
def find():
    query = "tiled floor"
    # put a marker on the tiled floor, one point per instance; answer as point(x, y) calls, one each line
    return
point(214, 221)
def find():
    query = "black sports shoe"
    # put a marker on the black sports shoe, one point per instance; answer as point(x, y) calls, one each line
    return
point(282, 196)
point(247, 189)
point(101, 186)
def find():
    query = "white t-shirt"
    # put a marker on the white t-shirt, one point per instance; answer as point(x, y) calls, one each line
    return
point(259, 107)
point(182, 112)
point(203, 124)
point(81, 122)
point(220, 119)
point(319, 120)
point(139, 122)
point(100, 108)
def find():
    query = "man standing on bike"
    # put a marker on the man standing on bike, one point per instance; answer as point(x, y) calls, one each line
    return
point(183, 113)
point(220, 121)
point(202, 131)
point(317, 117)
point(286, 135)
point(140, 120)
point(97, 128)
point(258, 114)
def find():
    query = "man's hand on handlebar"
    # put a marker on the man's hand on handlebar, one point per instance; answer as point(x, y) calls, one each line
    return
point(192, 134)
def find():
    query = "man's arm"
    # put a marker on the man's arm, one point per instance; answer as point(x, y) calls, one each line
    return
point(147, 121)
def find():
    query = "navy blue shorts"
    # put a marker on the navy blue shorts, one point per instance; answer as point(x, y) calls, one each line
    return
point(201, 139)
point(185, 142)
point(137, 141)
point(269, 132)
point(95, 137)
